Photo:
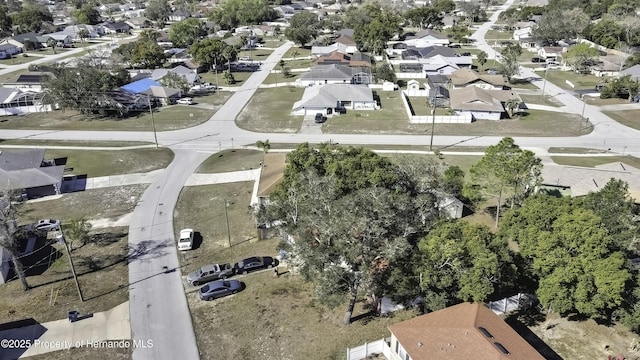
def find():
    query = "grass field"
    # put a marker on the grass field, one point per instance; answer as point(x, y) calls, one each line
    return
point(231, 160)
point(595, 161)
point(18, 59)
point(537, 99)
point(96, 163)
point(580, 81)
point(269, 110)
point(630, 118)
point(498, 35)
point(296, 52)
point(172, 117)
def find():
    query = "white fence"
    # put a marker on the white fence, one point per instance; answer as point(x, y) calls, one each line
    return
point(509, 304)
point(377, 347)
point(21, 110)
point(411, 75)
point(438, 119)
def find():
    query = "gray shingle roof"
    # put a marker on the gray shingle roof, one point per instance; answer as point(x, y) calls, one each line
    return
point(329, 95)
point(327, 72)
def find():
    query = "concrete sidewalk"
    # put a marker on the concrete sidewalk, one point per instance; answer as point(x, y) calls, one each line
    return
point(110, 325)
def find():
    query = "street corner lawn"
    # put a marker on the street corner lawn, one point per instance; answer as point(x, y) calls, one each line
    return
point(111, 202)
point(202, 208)
point(232, 160)
point(570, 80)
point(630, 118)
point(102, 272)
point(167, 118)
point(269, 110)
point(277, 319)
point(96, 163)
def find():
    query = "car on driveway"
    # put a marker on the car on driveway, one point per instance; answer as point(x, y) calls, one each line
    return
point(320, 118)
point(185, 101)
point(254, 263)
point(219, 288)
point(537, 60)
point(210, 273)
point(47, 225)
point(186, 240)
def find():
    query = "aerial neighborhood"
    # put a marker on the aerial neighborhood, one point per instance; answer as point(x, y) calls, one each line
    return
point(255, 179)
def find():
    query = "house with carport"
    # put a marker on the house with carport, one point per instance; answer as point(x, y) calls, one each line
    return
point(334, 98)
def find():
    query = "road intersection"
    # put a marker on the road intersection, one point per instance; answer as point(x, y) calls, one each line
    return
point(158, 306)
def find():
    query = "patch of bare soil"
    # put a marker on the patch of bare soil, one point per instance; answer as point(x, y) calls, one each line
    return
point(587, 339)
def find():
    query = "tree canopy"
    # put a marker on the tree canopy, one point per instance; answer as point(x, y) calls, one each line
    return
point(373, 27)
point(185, 33)
point(157, 10)
point(210, 51)
point(303, 27)
point(232, 13)
point(31, 19)
point(143, 53)
point(87, 14)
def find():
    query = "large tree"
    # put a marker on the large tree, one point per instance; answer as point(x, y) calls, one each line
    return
point(142, 53)
point(560, 24)
point(303, 27)
point(353, 215)
point(462, 262)
point(374, 27)
point(10, 234)
point(158, 11)
point(571, 254)
point(185, 33)
point(5, 21)
point(84, 87)
point(31, 19)
point(425, 17)
point(232, 13)
point(581, 56)
point(87, 14)
point(210, 51)
point(509, 64)
point(506, 171)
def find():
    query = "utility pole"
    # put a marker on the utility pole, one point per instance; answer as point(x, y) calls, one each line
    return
point(226, 216)
point(584, 104)
point(544, 84)
point(433, 121)
point(73, 270)
point(215, 64)
point(153, 120)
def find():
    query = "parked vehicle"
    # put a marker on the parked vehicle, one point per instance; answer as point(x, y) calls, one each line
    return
point(186, 240)
point(493, 71)
point(219, 288)
point(320, 118)
point(185, 101)
point(254, 263)
point(47, 225)
point(210, 273)
point(537, 60)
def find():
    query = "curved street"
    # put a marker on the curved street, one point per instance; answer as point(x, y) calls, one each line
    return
point(158, 306)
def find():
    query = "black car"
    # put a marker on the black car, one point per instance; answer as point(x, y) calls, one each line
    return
point(254, 263)
point(465, 54)
point(320, 118)
point(537, 60)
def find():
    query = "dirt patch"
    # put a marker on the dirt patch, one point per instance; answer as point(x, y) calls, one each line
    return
point(102, 273)
point(100, 203)
point(586, 339)
point(86, 353)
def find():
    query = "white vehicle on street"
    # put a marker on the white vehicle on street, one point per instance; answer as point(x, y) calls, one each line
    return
point(186, 240)
point(185, 101)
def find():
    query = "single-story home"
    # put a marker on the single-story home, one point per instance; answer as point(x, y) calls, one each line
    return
point(481, 104)
point(38, 41)
point(417, 53)
point(358, 59)
point(324, 50)
point(8, 50)
point(179, 15)
point(165, 95)
point(116, 27)
point(29, 172)
point(427, 37)
point(551, 52)
point(466, 77)
point(335, 74)
point(190, 76)
point(439, 65)
point(633, 72)
point(139, 22)
point(330, 98)
point(463, 331)
point(31, 81)
point(140, 86)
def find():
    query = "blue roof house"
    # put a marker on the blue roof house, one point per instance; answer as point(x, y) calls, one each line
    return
point(140, 86)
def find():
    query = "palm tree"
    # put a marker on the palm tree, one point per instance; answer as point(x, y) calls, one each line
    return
point(512, 105)
point(52, 43)
point(264, 145)
point(482, 59)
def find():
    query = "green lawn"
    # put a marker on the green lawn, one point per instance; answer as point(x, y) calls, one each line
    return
point(8, 77)
point(498, 35)
point(166, 118)
point(580, 81)
point(296, 52)
point(298, 64)
point(18, 59)
point(232, 160)
point(630, 118)
point(419, 105)
point(595, 161)
point(279, 78)
point(269, 110)
point(537, 99)
point(239, 76)
point(96, 163)
point(255, 54)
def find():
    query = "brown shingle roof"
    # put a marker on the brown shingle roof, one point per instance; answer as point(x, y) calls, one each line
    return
point(456, 333)
point(474, 98)
point(466, 76)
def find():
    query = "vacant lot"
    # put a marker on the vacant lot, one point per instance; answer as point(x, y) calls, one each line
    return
point(232, 160)
point(18, 59)
point(269, 110)
point(95, 163)
point(296, 52)
point(580, 81)
point(167, 118)
point(630, 118)
point(595, 161)
point(537, 99)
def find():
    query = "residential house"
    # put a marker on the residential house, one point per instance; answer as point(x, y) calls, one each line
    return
point(463, 331)
point(165, 95)
point(264, 30)
point(8, 50)
point(633, 72)
point(467, 77)
point(133, 13)
point(190, 76)
point(348, 42)
point(553, 53)
point(175, 55)
point(609, 65)
point(29, 172)
point(61, 37)
point(335, 74)
point(438, 65)
point(38, 41)
point(331, 98)
point(140, 86)
point(356, 60)
point(140, 22)
point(427, 37)
point(284, 10)
point(125, 101)
point(17, 102)
point(435, 55)
point(31, 81)
point(93, 31)
point(325, 50)
point(524, 36)
point(438, 86)
point(417, 53)
point(480, 103)
point(116, 27)
point(109, 9)
point(179, 15)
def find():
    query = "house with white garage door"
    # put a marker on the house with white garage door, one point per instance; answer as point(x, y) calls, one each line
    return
point(332, 98)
